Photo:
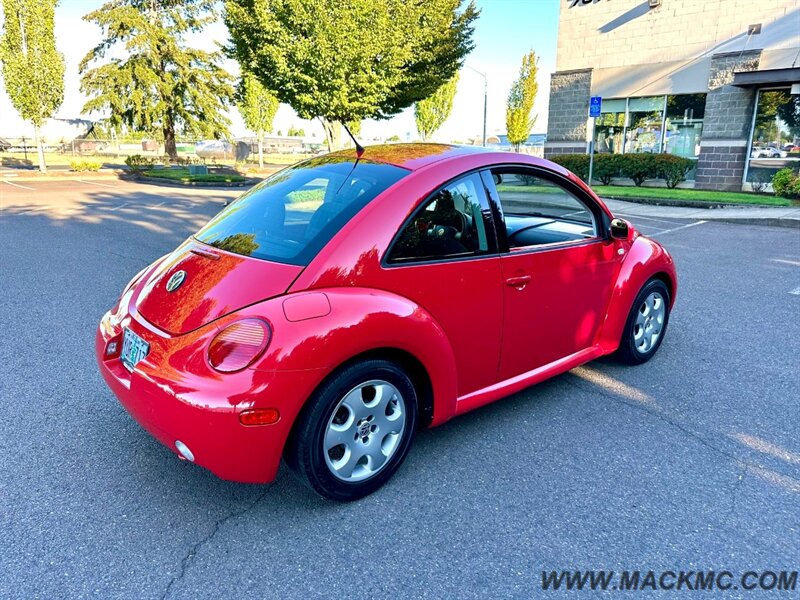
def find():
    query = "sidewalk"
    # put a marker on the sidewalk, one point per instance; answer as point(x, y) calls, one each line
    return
point(780, 216)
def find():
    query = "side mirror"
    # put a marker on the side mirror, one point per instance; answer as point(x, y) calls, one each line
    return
point(619, 229)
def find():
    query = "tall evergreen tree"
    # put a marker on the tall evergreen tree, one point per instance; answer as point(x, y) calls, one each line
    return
point(258, 107)
point(153, 81)
point(348, 61)
point(33, 70)
point(520, 101)
point(431, 113)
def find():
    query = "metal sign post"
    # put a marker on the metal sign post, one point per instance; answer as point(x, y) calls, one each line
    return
point(595, 103)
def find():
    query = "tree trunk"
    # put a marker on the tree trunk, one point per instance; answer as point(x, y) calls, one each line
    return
point(40, 149)
point(333, 134)
point(260, 149)
point(169, 139)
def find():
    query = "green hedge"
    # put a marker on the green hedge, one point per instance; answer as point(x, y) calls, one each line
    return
point(577, 163)
point(85, 164)
point(139, 163)
point(786, 183)
point(638, 167)
point(606, 166)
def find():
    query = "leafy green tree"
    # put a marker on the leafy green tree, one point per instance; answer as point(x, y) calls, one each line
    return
point(33, 70)
point(296, 132)
point(159, 83)
point(520, 101)
point(431, 113)
point(258, 107)
point(346, 61)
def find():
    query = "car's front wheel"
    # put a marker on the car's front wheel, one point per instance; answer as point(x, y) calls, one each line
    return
point(355, 430)
point(646, 324)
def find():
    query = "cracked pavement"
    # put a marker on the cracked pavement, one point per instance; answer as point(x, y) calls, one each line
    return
point(691, 461)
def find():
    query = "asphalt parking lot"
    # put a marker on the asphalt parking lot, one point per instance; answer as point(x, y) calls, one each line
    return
point(691, 461)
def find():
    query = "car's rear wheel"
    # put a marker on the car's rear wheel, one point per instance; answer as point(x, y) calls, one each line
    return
point(646, 324)
point(355, 430)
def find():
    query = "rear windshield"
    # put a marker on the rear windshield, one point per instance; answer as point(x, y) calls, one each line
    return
point(290, 216)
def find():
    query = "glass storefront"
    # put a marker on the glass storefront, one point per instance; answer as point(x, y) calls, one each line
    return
point(653, 124)
point(776, 135)
point(610, 127)
point(645, 124)
point(684, 124)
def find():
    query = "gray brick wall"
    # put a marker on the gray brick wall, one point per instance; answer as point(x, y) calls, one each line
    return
point(720, 168)
point(728, 117)
point(729, 109)
point(569, 106)
point(567, 148)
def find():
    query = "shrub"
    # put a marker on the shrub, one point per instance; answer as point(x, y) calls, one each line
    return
point(638, 167)
point(606, 166)
point(577, 163)
point(786, 183)
point(85, 164)
point(672, 169)
point(139, 163)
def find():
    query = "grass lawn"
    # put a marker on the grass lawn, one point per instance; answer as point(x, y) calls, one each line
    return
point(622, 192)
point(183, 175)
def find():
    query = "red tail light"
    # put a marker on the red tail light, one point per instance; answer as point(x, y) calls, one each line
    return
point(238, 345)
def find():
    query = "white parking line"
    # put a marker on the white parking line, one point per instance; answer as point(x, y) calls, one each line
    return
point(795, 291)
point(795, 263)
point(120, 206)
point(616, 214)
point(19, 186)
point(95, 183)
point(678, 228)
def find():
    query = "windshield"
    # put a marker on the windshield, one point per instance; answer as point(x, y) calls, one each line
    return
point(290, 216)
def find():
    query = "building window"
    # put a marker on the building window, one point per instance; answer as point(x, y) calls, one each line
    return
point(610, 127)
point(645, 124)
point(684, 124)
point(653, 124)
point(776, 135)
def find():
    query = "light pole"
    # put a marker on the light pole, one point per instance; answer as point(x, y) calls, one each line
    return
point(485, 98)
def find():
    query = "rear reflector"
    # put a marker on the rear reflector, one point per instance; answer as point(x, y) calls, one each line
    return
point(238, 345)
point(259, 416)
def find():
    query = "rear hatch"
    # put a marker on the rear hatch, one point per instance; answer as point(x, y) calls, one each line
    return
point(215, 284)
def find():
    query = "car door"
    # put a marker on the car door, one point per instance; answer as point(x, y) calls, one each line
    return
point(445, 258)
point(557, 267)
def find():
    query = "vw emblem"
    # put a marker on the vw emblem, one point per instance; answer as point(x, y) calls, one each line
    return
point(176, 280)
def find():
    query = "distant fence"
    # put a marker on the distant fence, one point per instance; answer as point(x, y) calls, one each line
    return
point(95, 147)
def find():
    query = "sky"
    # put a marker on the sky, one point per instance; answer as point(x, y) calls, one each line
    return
point(504, 32)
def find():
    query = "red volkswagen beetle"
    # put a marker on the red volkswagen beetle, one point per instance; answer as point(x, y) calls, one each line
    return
point(347, 300)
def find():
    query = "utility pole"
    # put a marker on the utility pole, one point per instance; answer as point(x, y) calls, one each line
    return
point(485, 98)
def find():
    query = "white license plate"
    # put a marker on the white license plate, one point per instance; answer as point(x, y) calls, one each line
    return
point(134, 349)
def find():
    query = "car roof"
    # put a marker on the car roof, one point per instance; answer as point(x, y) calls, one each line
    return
point(410, 156)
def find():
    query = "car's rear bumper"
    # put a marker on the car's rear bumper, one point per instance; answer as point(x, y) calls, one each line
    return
point(203, 413)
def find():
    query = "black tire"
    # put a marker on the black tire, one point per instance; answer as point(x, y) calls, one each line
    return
point(628, 351)
point(305, 452)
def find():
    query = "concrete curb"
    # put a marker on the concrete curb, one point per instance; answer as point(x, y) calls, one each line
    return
point(182, 184)
point(689, 203)
point(765, 222)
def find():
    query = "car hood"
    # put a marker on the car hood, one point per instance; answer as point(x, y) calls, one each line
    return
point(215, 283)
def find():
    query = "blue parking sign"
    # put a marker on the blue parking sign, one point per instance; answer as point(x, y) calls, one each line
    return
point(594, 106)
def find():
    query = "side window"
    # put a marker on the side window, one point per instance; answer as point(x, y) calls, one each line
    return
point(454, 223)
point(538, 211)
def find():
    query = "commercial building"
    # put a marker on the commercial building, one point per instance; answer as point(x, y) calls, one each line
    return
point(711, 80)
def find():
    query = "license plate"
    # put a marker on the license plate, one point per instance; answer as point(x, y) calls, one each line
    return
point(134, 349)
